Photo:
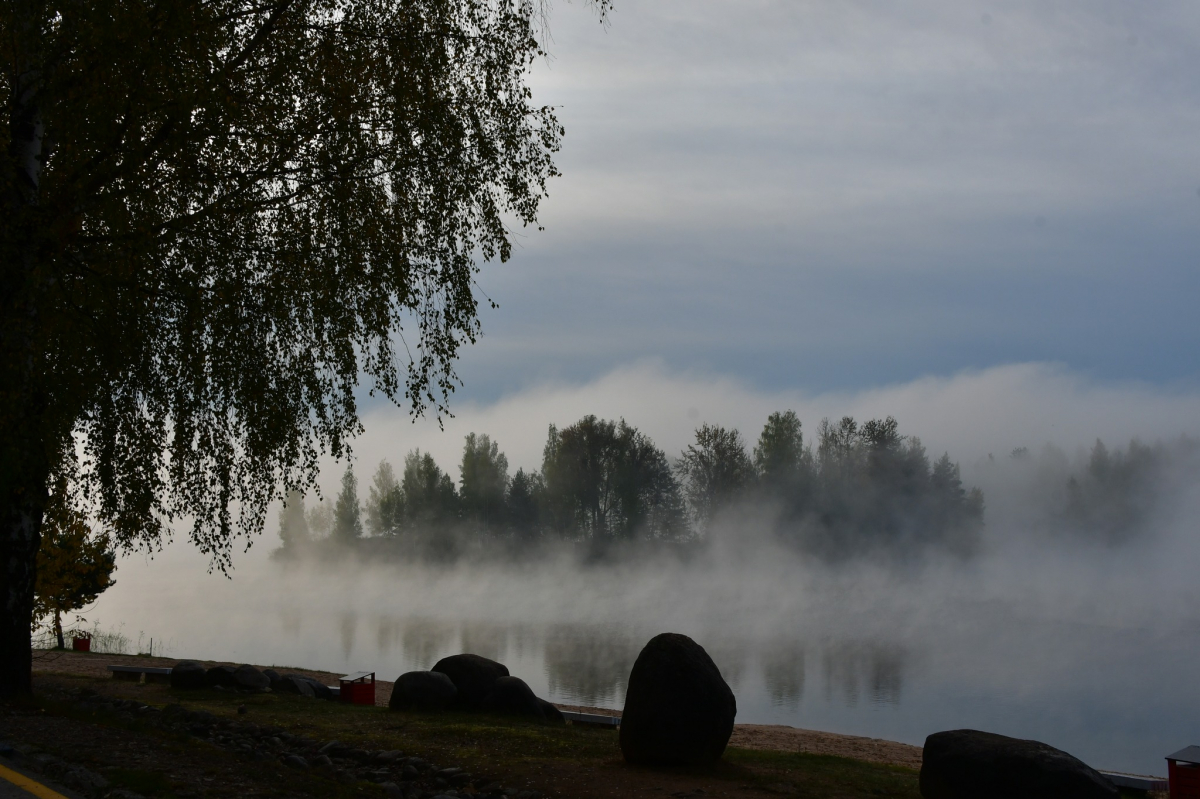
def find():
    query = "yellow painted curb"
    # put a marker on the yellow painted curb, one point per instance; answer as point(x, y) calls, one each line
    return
point(26, 784)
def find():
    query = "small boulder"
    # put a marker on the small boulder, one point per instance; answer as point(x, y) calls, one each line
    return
point(248, 678)
point(511, 696)
point(678, 708)
point(221, 677)
point(472, 675)
point(320, 690)
point(189, 675)
point(982, 765)
point(553, 714)
point(297, 684)
point(422, 690)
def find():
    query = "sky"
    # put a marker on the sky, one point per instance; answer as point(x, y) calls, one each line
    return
point(842, 196)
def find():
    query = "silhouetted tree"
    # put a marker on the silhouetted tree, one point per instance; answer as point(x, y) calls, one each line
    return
point(785, 467)
point(218, 216)
point(430, 500)
point(484, 485)
point(605, 480)
point(385, 503)
point(75, 564)
point(526, 493)
point(716, 470)
point(293, 521)
point(347, 515)
point(1114, 496)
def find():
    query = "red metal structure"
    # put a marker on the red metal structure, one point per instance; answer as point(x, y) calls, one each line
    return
point(1183, 773)
point(81, 644)
point(357, 688)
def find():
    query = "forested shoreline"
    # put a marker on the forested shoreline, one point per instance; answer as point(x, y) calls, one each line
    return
point(605, 486)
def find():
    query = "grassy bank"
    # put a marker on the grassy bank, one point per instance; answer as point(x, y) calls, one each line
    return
point(555, 761)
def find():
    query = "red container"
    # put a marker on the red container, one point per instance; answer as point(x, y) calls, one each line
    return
point(358, 688)
point(1183, 773)
point(81, 644)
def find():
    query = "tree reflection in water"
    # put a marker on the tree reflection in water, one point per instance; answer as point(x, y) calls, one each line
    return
point(783, 673)
point(348, 625)
point(589, 664)
point(851, 668)
point(425, 641)
point(486, 639)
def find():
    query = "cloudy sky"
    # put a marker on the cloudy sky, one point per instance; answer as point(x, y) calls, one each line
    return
point(842, 205)
point(836, 196)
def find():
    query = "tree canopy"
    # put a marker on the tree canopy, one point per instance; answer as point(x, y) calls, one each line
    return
point(218, 217)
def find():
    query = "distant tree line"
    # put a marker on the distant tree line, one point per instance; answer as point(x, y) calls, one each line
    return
point(1110, 496)
point(604, 483)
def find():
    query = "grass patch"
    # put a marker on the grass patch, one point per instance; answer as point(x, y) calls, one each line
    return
point(799, 774)
point(570, 761)
point(147, 783)
point(480, 743)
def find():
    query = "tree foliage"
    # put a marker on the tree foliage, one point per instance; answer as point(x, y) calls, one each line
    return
point(866, 488)
point(606, 480)
point(75, 563)
point(294, 529)
point(716, 471)
point(385, 503)
point(245, 206)
point(347, 515)
point(483, 482)
point(219, 217)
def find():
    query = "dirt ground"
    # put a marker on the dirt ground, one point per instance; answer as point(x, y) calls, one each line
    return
point(775, 738)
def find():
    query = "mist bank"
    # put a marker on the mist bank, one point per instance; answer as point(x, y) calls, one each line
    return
point(605, 491)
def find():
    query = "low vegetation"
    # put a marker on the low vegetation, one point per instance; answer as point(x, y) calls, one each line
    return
point(556, 761)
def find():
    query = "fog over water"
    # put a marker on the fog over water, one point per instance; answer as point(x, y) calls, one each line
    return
point(1085, 642)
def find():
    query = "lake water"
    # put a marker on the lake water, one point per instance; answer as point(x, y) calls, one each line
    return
point(1091, 657)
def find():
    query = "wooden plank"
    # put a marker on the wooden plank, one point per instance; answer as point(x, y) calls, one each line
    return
point(594, 719)
point(139, 670)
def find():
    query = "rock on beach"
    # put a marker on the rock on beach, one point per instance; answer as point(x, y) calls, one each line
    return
point(473, 677)
point(189, 675)
point(958, 764)
point(678, 708)
point(422, 690)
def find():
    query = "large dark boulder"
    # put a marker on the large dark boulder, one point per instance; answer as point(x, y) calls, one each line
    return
point(273, 676)
point(472, 675)
point(188, 674)
point(221, 677)
point(511, 696)
point(678, 708)
point(553, 714)
point(248, 678)
point(969, 764)
point(422, 690)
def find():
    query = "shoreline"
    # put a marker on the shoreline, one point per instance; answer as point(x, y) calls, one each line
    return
point(765, 737)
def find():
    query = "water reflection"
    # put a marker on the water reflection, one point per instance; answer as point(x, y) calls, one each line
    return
point(589, 664)
point(486, 639)
point(852, 668)
point(386, 633)
point(783, 672)
point(425, 641)
point(730, 655)
point(348, 626)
